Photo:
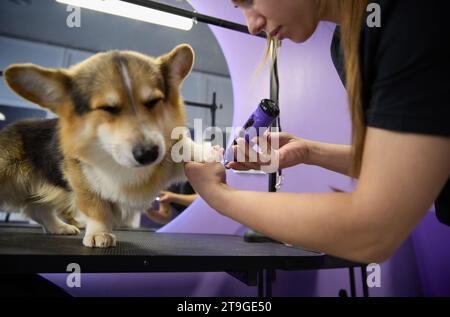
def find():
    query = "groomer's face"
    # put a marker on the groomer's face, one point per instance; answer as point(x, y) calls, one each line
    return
point(293, 19)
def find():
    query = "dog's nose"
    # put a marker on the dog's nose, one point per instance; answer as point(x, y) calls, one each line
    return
point(145, 154)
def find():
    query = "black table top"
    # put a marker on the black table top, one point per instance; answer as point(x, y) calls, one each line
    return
point(28, 250)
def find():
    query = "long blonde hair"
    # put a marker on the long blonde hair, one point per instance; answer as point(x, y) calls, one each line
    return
point(271, 53)
point(352, 13)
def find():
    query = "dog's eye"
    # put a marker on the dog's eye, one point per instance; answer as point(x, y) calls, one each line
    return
point(152, 103)
point(110, 109)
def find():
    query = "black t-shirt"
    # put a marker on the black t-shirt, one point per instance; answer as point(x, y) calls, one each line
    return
point(406, 72)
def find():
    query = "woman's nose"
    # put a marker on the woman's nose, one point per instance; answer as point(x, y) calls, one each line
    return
point(256, 24)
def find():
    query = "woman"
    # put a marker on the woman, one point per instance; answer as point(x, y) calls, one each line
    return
point(397, 79)
point(177, 197)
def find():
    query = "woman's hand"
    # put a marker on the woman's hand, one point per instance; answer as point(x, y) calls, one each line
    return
point(166, 197)
point(205, 177)
point(161, 216)
point(279, 151)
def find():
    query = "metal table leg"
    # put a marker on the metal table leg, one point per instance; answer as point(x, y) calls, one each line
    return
point(364, 281)
point(352, 281)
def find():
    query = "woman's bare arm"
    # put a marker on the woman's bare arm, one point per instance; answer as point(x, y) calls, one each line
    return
point(332, 157)
point(402, 174)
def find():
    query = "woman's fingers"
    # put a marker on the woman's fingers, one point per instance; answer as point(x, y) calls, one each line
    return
point(243, 166)
point(276, 140)
point(237, 166)
point(268, 156)
point(263, 144)
point(246, 153)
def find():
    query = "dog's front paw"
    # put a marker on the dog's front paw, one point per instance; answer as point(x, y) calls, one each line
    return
point(99, 240)
point(63, 229)
point(212, 154)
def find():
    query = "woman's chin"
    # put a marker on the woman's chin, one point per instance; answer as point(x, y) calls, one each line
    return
point(300, 38)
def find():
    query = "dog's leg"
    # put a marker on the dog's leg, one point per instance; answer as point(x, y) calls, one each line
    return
point(45, 216)
point(202, 153)
point(98, 235)
point(133, 220)
point(72, 218)
point(99, 224)
point(100, 218)
point(100, 221)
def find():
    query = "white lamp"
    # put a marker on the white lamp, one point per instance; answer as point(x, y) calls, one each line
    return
point(133, 11)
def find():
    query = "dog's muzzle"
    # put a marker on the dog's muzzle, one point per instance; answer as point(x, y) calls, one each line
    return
point(146, 155)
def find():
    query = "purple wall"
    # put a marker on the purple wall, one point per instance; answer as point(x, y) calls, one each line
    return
point(313, 105)
point(431, 240)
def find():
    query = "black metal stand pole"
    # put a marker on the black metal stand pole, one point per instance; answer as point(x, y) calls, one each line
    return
point(193, 15)
point(274, 95)
point(364, 281)
point(352, 281)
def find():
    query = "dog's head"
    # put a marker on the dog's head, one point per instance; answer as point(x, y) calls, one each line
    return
point(121, 105)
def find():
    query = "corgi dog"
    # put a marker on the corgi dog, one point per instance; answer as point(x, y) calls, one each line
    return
point(108, 152)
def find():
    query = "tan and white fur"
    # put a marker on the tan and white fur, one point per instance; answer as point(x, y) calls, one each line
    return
point(109, 152)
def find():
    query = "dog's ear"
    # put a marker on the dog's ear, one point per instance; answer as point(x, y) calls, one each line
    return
point(45, 87)
point(178, 63)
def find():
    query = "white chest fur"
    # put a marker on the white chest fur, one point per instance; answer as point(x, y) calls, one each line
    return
point(109, 183)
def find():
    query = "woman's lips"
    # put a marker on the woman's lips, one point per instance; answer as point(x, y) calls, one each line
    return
point(275, 32)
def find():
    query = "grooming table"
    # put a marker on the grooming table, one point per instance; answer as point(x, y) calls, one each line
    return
point(27, 250)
